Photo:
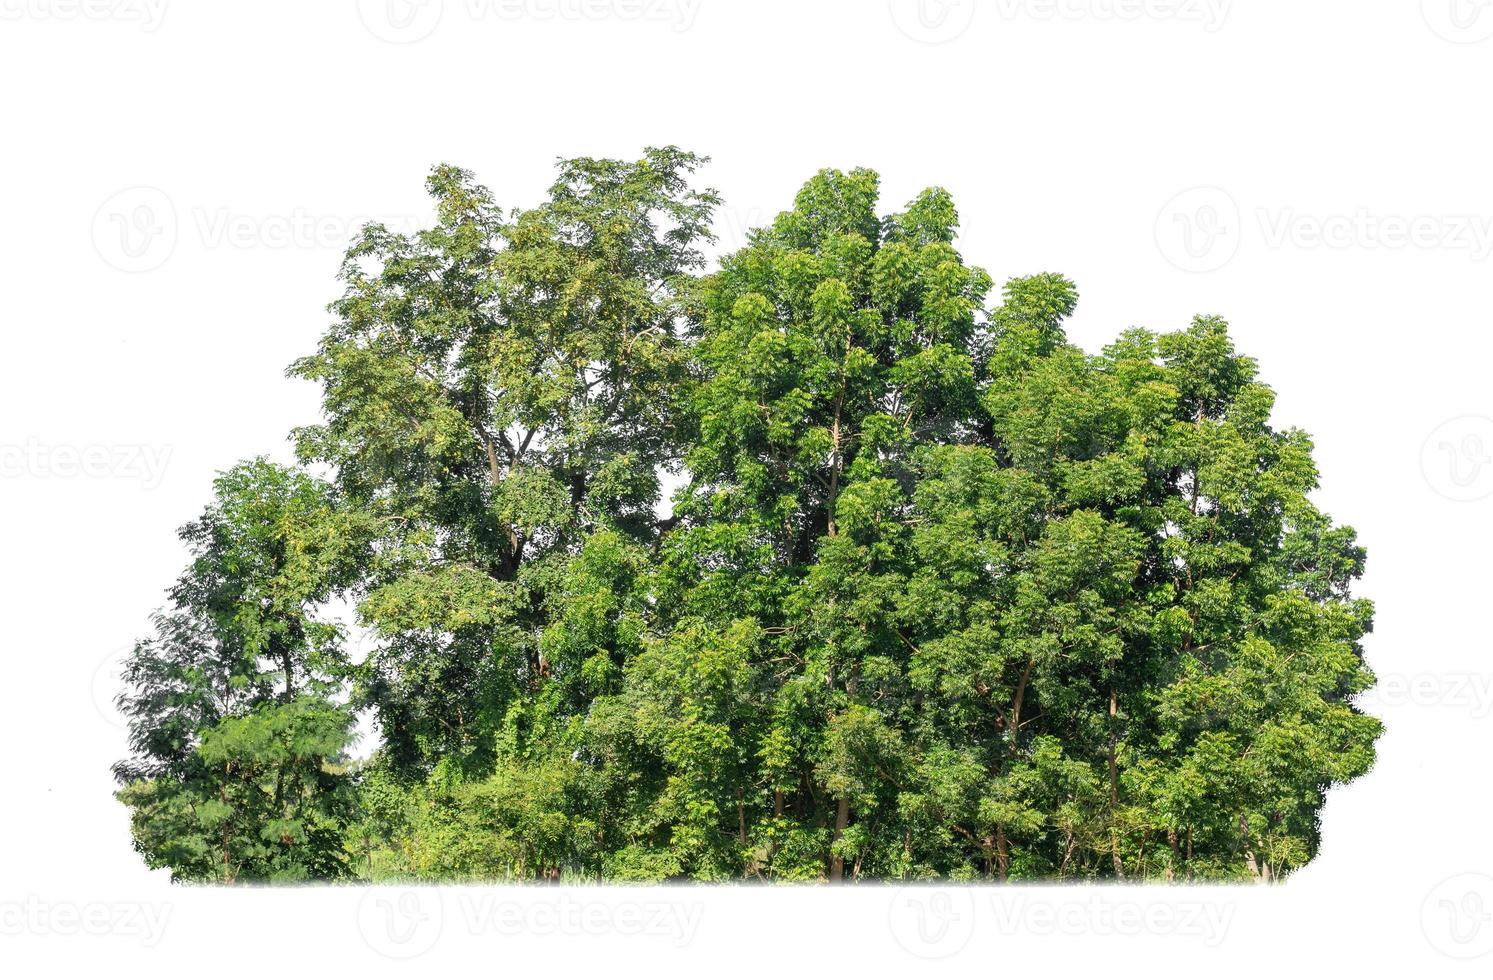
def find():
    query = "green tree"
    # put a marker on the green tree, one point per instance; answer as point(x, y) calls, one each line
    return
point(940, 595)
point(496, 389)
point(832, 347)
point(235, 723)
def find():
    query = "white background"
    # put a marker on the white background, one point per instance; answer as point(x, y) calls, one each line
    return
point(178, 178)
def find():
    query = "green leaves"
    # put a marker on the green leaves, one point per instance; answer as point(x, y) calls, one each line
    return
point(238, 734)
point(939, 595)
point(450, 597)
point(302, 732)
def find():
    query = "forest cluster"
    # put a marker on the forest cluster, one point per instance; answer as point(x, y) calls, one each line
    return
point(823, 561)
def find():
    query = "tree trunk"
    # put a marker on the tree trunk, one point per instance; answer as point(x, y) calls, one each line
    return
point(842, 820)
point(837, 461)
point(1114, 787)
point(1258, 869)
point(1026, 675)
point(223, 798)
point(747, 863)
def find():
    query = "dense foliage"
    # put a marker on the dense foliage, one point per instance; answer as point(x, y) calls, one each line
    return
point(935, 593)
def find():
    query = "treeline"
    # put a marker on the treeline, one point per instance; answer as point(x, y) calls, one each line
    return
point(935, 593)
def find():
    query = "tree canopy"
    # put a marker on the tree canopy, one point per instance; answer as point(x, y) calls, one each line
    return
point(823, 563)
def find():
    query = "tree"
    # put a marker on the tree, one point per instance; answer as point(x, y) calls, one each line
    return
point(496, 389)
point(832, 346)
point(237, 733)
point(940, 595)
